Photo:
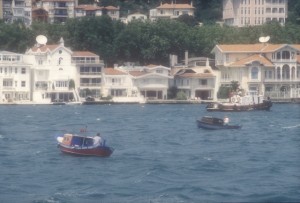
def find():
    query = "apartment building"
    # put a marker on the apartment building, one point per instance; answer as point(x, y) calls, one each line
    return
point(1, 9)
point(89, 73)
point(58, 10)
point(13, 10)
point(14, 77)
point(242, 13)
point(94, 10)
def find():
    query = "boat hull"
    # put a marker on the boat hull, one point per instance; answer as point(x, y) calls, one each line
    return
point(209, 126)
point(101, 151)
point(265, 105)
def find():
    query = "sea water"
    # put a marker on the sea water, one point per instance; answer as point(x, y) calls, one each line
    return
point(160, 155)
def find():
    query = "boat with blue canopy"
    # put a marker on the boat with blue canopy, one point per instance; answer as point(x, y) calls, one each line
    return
point(83, 145)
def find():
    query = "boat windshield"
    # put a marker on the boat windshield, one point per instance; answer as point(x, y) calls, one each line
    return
point(212, 120)
point(82, 141)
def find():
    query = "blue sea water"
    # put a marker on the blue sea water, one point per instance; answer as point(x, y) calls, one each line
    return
point(160, 155)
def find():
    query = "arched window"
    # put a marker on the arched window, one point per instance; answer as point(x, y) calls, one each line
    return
point(278, 55)
point(293, 73)
point(285, 55)
point(278, 72)
point(254, 73)
point(285, 72)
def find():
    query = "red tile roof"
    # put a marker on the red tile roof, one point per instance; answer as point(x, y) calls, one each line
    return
point(175, 6)
point(136, 73)
point(248, 60)
point(112, 71)
point(256, 48)
point(83, 53)
point(111, 8)
point(44, 48)
point(88, 7)
point(196, 75)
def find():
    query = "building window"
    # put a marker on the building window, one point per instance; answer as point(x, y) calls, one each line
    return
point(278, 72)
point(7, 83)
point(285, 55)
point(254, 73)
point(23, 84)
point(16, 70)
point(23, 71)
point(203, 82)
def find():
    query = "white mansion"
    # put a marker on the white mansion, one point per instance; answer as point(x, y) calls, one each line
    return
point(49, 73)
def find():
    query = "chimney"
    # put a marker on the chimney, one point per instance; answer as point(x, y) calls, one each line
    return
point(207, 62)
point(186, 58)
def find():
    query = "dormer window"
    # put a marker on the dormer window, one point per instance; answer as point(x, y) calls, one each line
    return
point(285, 55)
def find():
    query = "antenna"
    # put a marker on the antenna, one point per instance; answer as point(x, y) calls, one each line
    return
point(41, 39)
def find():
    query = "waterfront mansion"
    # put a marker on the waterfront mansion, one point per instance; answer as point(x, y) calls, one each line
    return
point(48, 73)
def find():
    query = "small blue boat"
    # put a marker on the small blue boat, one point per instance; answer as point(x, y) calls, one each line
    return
point(211, 123)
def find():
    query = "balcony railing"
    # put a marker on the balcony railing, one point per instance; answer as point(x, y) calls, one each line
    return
point(282, 80)
point(86, 61)
point(8, 88)
point(90, 84)
point(90, 73)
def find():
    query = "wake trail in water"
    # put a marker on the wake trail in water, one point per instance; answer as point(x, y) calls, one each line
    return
point(294, 126)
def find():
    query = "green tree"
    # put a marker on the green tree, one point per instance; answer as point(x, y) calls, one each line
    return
point(71, 84)
point(181, 96)
point(234, 85)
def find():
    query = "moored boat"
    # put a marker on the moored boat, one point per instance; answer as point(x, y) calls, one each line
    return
point(241, 103)
point(82, 145)
point(212, 123)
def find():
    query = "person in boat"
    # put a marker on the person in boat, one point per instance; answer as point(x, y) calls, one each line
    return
point(97, 140)
point(226, 120)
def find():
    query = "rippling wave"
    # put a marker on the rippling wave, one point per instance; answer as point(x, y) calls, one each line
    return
point(160, 155)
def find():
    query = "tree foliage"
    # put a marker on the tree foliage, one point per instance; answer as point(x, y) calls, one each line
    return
point(143, 42)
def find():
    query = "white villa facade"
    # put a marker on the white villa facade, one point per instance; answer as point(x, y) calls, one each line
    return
point(151, 81)
point(134, 16)
point(171, 11)
point(271, 69)
point(197, 79)
point(119, 85)
point(50, 73)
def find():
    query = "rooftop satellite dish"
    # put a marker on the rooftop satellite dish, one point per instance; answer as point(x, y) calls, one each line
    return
point(264, 39)
point(267, 38)
point(41, 39)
